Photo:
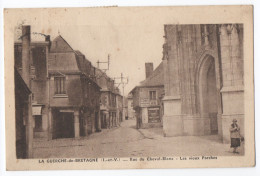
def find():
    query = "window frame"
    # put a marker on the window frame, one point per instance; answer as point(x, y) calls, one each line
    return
point(60, 85)
point(152, 96)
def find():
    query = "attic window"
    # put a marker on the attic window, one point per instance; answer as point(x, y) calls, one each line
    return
point(59, 85)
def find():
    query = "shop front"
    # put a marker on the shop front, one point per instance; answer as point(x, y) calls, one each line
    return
point(154, 115)
point(65, 123)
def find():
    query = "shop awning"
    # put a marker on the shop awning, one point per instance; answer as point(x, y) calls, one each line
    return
point(37, 110)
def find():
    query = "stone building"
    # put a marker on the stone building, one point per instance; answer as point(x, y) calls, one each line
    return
point(35, 63)
point(65, 95)
point(147, 98)
point(23, 118)
point(30, 90)
point(204, 87)
point(119, 107)
point(109, 101)
point(130, 106)
point(74, 94)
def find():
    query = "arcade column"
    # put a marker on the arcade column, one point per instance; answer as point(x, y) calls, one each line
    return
point(76, 124)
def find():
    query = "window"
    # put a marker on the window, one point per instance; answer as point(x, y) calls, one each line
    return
point(59, 85)
point(152, 95)
point(113, 100)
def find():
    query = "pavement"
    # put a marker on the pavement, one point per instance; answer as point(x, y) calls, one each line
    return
point(127, 141)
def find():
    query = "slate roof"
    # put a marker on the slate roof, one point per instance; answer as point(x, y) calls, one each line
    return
point(20, 85)
point(105, 82)
point(60, 45)
point(63, 62)
point(155, 79)
point(84, 65)
point(63, 59)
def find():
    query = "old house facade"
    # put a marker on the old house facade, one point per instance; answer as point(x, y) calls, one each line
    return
point(204, 87)
point(31, 57)
point(130, 106)
point(147, 98)
point(111, 107)
point(64, 93)
point(119, 107)
point(74, 94)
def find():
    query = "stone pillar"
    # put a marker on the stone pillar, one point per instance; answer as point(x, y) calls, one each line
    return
point(109, 119)
point(76, 124)
point(50, 124)
point(93, 122)
point(233, 85)
point(29, 128)
point(106, 119)
point(206, 36)
point(43, 133)
point(99, 120)
point(115, 121)
point(45, 121)
point(105, 115)
point(117, 116)
point(85, 116)
point(172, 119)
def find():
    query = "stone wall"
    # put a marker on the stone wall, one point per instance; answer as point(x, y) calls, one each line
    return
point(191, 105)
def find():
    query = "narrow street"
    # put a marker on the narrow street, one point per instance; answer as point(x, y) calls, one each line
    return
point(127, 141)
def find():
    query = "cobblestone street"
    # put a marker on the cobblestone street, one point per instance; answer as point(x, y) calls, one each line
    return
point(127, 141)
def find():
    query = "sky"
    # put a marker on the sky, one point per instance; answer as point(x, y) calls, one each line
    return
point(131, 36)
point(129, 46)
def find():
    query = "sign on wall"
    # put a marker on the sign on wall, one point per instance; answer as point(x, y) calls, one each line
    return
point(36, 110)
point(144, 102)
point(153, 102)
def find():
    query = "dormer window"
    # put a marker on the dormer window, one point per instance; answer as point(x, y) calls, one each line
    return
point(60, 85)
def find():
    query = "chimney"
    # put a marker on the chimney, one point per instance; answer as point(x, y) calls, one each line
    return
point(148, 69)
point(47, 38)
point(26, 40)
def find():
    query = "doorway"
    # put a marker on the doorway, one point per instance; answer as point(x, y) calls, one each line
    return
point(208, 93)
point(64, 125)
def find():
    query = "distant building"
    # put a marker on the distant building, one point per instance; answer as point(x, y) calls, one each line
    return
point(130, 106)
point(204, 79)
point(147, 98)
point(125, 109)
point(119, 107)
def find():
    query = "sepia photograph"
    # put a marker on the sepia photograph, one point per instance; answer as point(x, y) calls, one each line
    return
point(104, 88)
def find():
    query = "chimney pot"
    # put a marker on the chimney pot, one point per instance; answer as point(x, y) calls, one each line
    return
point(47, 38)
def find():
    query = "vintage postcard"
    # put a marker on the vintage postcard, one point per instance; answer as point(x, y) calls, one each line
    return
point(129, 87)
